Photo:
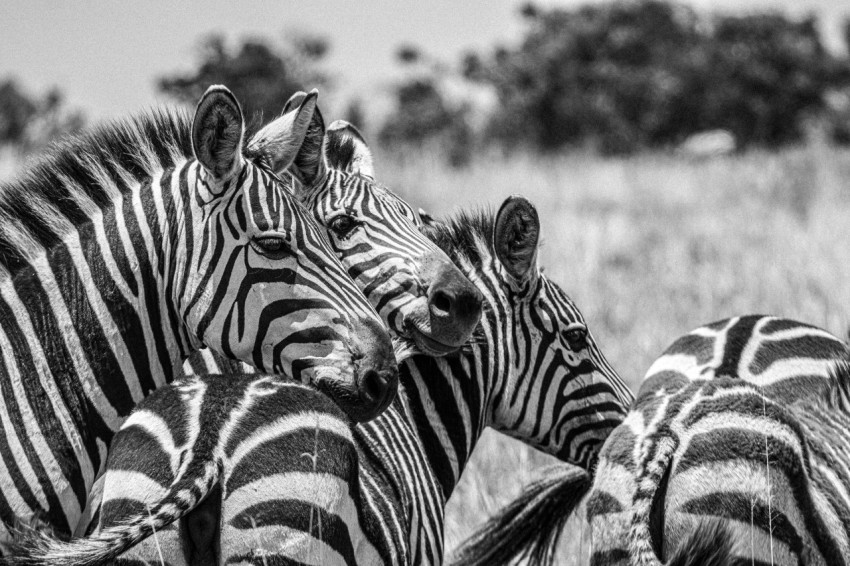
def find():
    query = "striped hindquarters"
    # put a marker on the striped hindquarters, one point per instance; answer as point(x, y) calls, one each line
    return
point(723, 450)
point(787, 358)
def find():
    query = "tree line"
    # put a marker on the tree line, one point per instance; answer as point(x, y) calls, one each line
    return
point(617, 78)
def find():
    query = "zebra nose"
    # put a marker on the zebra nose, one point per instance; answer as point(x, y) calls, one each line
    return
point(377, 378)
point(454, 304)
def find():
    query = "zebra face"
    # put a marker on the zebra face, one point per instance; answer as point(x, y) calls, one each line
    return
point(420, 294)
point(560, 394)
point(263, 284)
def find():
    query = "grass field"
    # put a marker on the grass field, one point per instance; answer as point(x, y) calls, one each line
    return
point(650, 247)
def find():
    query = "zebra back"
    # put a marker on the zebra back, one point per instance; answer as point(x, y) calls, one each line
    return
point(775, 474)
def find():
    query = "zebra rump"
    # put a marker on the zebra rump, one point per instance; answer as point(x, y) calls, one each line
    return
point(238, 409)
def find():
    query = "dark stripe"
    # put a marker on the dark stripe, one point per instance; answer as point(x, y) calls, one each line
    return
point(737, 338)
point(306, 450)
point(87, 328)
point(32, 387)
point(610, 557)
point(301, 516)
point(151, 290)
point(602, 503)
point(446, 410)
point(811, 347)
point(744, 508)
point(122, 312)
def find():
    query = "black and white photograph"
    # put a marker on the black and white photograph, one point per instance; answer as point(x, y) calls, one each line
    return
point(434, 283)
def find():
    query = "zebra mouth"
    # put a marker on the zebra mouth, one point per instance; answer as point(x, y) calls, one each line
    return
point(428, 345)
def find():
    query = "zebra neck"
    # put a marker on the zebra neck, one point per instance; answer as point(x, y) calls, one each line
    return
point(447, 399)
point(95, 295)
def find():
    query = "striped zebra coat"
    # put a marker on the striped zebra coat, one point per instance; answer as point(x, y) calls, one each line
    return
point(126, 249)
point(786, 361)
point(775, 474)
point(378, 496)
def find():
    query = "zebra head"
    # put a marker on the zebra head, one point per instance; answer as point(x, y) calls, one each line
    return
point(559, 393)
point(551, 385)
point(420, 294)
point(262, 283)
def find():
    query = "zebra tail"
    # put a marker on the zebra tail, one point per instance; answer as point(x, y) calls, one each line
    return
point(710, 543)
point(651, 471)
point(38, 548)
point(530, 526)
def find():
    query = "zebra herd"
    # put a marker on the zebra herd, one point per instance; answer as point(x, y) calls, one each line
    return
point(160, 274)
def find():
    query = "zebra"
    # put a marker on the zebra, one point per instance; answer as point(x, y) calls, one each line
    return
point(422, 297)
point(789, 361)
point(376, 495)
point(787, 358)
point(776, 474)
point(127, 248)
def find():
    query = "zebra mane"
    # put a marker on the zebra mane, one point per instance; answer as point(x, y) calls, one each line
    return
point(90, 167)
point(459, 235)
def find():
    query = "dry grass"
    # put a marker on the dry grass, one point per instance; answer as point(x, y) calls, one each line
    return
point(651, 247)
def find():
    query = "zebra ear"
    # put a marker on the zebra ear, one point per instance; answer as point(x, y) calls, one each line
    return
point(308, 163)
point(287, 141)
point(515, 237)
point(217, 133)
point(346, 150)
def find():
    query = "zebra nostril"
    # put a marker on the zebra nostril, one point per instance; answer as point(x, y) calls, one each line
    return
point(441, 303)
point(373, 387)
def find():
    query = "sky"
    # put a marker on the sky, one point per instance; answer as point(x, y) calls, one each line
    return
point(106, 55)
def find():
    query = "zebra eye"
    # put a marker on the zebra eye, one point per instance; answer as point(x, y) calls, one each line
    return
point(576, 337)
point(342, 226)
point(272, 247)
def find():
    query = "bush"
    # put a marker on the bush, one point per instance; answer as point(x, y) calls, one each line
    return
point(261, 75)
point(628, 75)
point(29, 122)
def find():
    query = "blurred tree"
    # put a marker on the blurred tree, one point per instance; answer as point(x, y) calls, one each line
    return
point(16, 111)
point(626, 75)
point(407, 54)
point(423, 116)
point(29, 122)
point(261, 75)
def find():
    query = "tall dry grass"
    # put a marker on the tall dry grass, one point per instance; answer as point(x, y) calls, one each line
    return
point(650, 247)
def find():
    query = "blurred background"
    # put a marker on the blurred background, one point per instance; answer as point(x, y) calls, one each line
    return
point(691, 161)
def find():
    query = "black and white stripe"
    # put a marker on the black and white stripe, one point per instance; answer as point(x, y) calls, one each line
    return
point(534, 372)
point(421, 296)
point(788, 360)
point(774, 473)
point(121, 253)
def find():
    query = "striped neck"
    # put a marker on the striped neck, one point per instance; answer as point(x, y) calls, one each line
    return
point(451, 398)
point(84, 238)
